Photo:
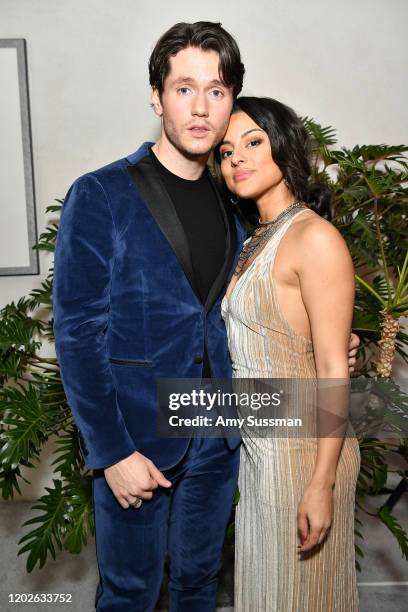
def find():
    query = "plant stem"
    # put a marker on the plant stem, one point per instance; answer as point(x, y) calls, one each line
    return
point(43, 374)
point(37, 365)
point(381, 247)
point(40, 359)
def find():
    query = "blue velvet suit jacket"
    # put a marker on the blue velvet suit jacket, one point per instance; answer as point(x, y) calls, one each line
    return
point(126, 310)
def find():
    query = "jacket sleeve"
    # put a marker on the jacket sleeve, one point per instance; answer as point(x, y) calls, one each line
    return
point(83, 266)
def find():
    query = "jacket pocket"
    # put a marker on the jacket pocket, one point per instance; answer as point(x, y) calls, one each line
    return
point(136, 363)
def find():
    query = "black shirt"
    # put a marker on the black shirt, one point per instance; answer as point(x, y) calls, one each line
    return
point(199, 213)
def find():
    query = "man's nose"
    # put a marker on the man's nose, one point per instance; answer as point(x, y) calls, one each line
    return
point(200, 105)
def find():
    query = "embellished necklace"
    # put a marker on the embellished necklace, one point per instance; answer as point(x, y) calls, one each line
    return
point(281, 214)
point(263, 232)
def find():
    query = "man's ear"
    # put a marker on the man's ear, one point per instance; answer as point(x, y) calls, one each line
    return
point(156, 102)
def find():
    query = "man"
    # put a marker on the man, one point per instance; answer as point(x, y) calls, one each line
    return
point(144, 253)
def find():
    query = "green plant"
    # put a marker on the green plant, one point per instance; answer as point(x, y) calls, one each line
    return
point(34, 411)
point(369, 205)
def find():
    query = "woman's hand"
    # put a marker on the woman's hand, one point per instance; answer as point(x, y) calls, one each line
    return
point(315, 515)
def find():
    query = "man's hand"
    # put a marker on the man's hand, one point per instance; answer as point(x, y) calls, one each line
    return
point(132, 477)
point(353, 347)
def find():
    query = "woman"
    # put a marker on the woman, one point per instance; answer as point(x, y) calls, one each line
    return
point(288, 311)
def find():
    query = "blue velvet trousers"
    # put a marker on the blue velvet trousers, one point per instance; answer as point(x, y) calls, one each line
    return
point(188, 521)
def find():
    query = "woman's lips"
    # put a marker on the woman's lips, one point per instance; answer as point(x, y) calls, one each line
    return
point(242, 175)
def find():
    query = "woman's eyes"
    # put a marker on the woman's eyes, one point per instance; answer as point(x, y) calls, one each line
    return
point(225, 154)
point(251, 144)
point(254, 143)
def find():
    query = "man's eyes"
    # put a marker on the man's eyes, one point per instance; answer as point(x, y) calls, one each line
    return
point(215, 93)
point(183, 90)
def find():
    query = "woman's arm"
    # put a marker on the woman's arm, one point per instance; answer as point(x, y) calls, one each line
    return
point(326, 277)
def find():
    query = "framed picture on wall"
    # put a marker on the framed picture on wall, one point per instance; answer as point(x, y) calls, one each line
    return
point(18, 229)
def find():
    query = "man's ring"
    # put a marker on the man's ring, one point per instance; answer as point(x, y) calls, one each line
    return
point(136, 504)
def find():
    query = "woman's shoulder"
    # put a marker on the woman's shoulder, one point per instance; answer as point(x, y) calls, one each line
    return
point(311, 227)
point(314, 237)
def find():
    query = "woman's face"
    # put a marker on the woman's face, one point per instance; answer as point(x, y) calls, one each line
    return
point(246, 159)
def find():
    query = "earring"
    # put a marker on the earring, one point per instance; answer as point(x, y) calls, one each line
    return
point(234, 199)
point(285, 180)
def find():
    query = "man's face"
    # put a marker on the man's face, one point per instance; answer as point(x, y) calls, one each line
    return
point(195, 105)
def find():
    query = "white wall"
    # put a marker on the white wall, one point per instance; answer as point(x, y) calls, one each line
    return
point(342, 62)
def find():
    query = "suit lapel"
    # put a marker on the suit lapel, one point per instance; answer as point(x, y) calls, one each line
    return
point(230, 248)
point(149, 184)
point(156, 198)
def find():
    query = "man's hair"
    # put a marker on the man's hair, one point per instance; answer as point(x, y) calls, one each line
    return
point(205, 35)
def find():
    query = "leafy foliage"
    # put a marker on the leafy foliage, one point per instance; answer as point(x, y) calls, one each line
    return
point(369, 186)
point(391, 522)
point(66, 521)
point(34, 411)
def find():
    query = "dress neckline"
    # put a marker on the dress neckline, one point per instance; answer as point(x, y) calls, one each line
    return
point(229, 292)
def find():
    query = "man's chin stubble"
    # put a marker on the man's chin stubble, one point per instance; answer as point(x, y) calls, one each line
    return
point(190, 152)
point(194, 153)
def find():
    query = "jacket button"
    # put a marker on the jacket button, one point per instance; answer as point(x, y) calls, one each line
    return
point(198, 359)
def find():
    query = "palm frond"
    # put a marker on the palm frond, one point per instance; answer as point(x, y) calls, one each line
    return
point(26, 423)
point(323, 136)
point(45, 539)
point(398, 532)
point(68, 458)
point(66, 521)
point(81, 525)
point(9, 480)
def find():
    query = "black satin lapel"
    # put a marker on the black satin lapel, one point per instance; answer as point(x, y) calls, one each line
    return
point(231, 245)
point(157, 200)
